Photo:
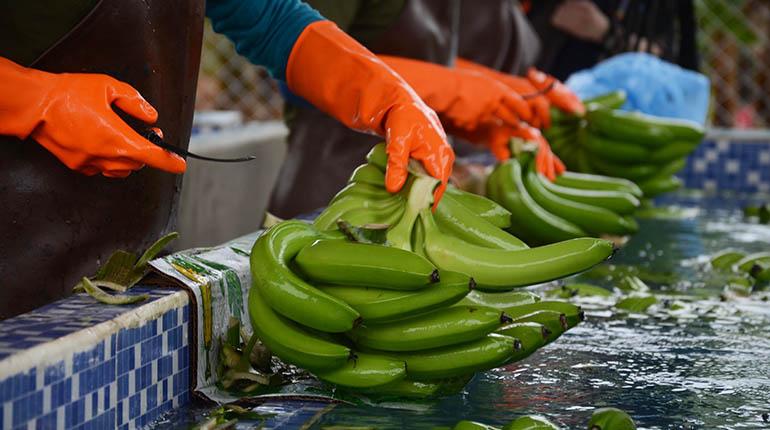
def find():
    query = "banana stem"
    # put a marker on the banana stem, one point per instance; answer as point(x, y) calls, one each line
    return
point(420, 197)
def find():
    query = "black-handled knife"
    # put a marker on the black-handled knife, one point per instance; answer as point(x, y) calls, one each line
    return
point(153, 137)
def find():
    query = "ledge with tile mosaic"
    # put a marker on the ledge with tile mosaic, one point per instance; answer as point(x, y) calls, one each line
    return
point(77, 363)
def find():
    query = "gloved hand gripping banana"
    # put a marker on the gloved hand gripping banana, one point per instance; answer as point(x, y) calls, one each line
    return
point(645, 149)
point(419, 312)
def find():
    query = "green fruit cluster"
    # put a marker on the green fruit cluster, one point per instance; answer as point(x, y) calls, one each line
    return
point(575, 205)
point(645, 149)
point(419, 313)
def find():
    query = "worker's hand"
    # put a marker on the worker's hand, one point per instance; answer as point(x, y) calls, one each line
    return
point(464, 99)
point(546, 162)
point(582, 19)
point(342, 78)
point(558, 94)
point(71, 116)
point(538, 103)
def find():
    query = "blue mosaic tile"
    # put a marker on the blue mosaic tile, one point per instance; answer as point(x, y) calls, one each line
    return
point(165, 367)
point(169, 320)
point(152, 349)
point(126, 361)
point(61, 393)
point(47, 421)
point(64, 317)
point(84, 360)
point(123, 386)
point(175, 338)
point(93, 388)
point(152, 397)
point(54, 372)
point(26, 408)
point(74, 413)
point(143, 377)
point(96, 377)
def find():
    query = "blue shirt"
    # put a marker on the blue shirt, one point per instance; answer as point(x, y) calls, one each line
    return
point(264, 31)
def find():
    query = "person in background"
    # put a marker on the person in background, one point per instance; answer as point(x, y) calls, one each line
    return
point(83, 81)
point(419, 39)
point(577, 34)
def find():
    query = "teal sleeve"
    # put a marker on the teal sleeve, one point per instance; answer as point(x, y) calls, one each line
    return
point(264, 31)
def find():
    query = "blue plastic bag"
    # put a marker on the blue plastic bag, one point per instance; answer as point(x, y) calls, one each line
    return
point(653, 86)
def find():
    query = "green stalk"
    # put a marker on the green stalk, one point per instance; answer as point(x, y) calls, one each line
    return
point(420, 197)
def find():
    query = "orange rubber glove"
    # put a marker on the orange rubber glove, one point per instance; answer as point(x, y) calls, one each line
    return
point(559, 94)
point(342, 78)
point(546, 162)
point(463, 99)
point(538, 103)
point(71, 116)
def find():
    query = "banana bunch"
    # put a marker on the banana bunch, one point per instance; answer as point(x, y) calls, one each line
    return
point(576, 205)
point(385, 320)
point(382, 295)
point(466, 232)
point(645, 149)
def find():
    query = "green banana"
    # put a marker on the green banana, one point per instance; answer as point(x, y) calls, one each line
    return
point(531, 422)
point(587, 181)
point(531, 335)
point(327, 219)
point(406, 388)
point(620, 202)
point(350, 263)
point(290, 342)
point(554, 321)
point(503, 269)
point(379, 305)
point(590, 218)
point(418, 240)
point(610, 419)
point(483, 207)
point(477, 355)
point(747, 262)
point(420, 195)
point(672, 151)
point(579, 290)
point(725, 259)
point(365, 371)
point(286, 292)
point(615, 151)
point(499, 300)
point(656, 186)
point(455, 219)
point(368, 174)
point(643, 129)
point(574, 314)
point(530, 220)
point(559, 117)
point(388, 215)
point(378, 157)
point(472, 425)
point(636, 172)
point(360, 189)
point(760, 272)
point(442, 327)
point(559, 131)
point(611, 100)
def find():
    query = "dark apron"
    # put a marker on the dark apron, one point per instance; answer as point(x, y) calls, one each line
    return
point(59, 225)
point(322, 151)
point(499, 36)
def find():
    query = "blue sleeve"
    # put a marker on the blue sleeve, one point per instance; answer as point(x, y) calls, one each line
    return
point(264, 31)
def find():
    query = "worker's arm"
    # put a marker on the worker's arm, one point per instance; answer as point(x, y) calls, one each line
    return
point(72, 116)
point(329, 69)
